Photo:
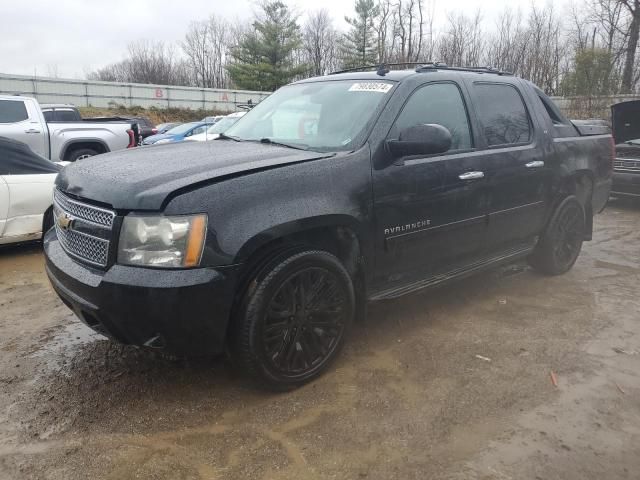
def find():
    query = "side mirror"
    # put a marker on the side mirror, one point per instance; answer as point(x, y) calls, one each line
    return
point(427, 139)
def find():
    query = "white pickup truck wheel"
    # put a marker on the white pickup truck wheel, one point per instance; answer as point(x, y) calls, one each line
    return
point(81, 153)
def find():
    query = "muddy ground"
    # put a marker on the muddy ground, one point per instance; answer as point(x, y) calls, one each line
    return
point(451, 384)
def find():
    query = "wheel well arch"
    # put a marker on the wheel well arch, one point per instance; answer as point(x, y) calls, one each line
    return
point(343, 239)
point(47, 212)
point(340, 235)
point(94, 144)
point(580, 184)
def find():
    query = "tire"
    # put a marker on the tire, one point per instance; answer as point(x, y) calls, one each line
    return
point(293, 319)
point(560, 244)
point(81, 153)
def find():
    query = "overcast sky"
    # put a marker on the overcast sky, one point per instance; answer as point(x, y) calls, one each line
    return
point(78, 36)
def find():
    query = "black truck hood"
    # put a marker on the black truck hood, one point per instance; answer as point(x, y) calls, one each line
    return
point(142, 178)
point(625, 121)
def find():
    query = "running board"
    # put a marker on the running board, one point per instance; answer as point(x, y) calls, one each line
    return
point(436, 280)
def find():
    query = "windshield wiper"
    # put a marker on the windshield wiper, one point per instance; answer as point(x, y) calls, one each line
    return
point(224, 136)
point(280, 144)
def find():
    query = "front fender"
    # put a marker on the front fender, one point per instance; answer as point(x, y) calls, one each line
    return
point(299, 226)
point(247, 211)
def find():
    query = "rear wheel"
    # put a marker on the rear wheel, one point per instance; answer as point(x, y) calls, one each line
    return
point(294, 319)
point(560, 245)
point(81, 153)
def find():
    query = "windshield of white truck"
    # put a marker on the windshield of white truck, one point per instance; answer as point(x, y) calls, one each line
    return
point(325, 116)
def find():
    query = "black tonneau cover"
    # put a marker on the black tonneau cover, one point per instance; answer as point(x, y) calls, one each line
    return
point(625, 118)
point(16, 158)
point(591, 127)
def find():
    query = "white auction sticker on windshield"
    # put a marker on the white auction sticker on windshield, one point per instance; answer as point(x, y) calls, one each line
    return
point(379, 87)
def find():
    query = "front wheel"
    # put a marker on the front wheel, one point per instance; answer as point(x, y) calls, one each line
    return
point(559, 246)
point(294, 319)
point(81, 153)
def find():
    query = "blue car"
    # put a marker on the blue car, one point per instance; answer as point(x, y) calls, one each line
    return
point(177, 134)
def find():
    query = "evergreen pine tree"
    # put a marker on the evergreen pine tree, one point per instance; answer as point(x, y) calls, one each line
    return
point(359, 43)
point(263, 59)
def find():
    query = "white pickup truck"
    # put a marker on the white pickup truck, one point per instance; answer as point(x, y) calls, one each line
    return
point(21, 119)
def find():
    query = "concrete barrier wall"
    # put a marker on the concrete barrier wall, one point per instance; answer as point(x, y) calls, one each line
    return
point(85, 93)
point(585, 107)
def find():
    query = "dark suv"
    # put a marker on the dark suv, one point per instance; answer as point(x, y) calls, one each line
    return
point(331, 193)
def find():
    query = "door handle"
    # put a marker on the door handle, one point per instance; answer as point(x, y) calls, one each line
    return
point(32, 130)
point(535, 164)
point(471, 175)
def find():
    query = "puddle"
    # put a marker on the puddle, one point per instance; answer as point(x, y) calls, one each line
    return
point(63, 344)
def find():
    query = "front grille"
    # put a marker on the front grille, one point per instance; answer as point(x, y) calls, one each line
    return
point(91, 249)
point(626, 164)
point(86, 212)
point(629, 152)
point(84, 230)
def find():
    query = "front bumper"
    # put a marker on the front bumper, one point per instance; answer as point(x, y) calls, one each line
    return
point(626, 184)
point(180, 311)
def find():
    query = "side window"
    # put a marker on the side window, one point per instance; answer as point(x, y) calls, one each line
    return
point(437, 103)
point(502, 114)
point(48, 115)
point(12, 111)
point(197, 131)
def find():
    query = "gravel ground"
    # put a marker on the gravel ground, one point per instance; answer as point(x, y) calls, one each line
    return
point(455, 383)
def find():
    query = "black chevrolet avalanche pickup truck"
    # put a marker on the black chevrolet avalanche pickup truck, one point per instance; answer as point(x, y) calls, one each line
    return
point(330, 194)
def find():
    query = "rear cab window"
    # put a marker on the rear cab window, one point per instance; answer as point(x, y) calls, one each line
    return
point(561, 127)
point(13, 111)
point(66, 115)
point(502, 114)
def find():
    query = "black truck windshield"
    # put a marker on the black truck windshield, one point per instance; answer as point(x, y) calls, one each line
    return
point(324, 116)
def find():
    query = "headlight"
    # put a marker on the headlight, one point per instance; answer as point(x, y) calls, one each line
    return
point(158, 241)
point(164, 140)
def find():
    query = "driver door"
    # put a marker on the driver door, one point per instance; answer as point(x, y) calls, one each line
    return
point(430, 210)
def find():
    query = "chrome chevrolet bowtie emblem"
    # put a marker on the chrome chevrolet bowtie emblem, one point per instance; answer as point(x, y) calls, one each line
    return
point(64, 221)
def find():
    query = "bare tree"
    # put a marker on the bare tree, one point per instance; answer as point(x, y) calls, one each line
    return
point(409, 29)
point(205, 46)
point(545, 49)
point(52, 70)
point(319, 40)
point(633, 7)
point(508, 46)
point(385, 28)
point(146, 62)
point(462, 42)
point(153, 62)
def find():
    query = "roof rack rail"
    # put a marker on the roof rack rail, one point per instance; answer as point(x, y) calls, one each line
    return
point(431, 66)
point(383, 68)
